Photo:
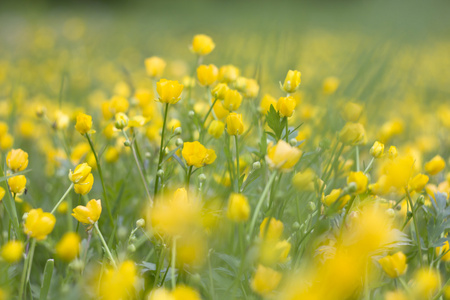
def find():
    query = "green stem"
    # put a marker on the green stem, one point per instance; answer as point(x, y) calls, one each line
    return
point(161, 148)
point(209, 111)
point(100, 173)
point(369, 166)
point(260, 202)
point(139, 167)
point(441, 291)
point(237, 179)
point(27, 269)
point(357, 158)
point(211, 282)
point(416, 227)
point(10, 207)
point(174, 254)
point(287, 130)
point(108, 252)
point(62, 199)
point(48, 272)
point(188, 177)
point(158, 268)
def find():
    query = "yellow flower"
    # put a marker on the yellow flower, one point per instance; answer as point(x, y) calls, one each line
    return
point(232, 100)
point(377, 150)
point(117, 284)
point(235, 126)
point(228, 73)
point(169, 91)
point(197, 155)
point(353, 134)
point(216, 128)
point(352, 112)
point(271, 253)
point(305, 181)
point(219, 91)
point(286, 106)
point(160, 294)
point(6, 141)
point(250, 87)
point(118, 104)
point(444, 249)
point(274, 229)
point(207, 74)
point(88, 214)
point(425, 283)
point(137, 121)
point(394, 265)
point(360, 180)
point(17, 160)
point(17, 184)
point(202, 44)
point(2, 193)
point(330, 85)
point(85, 186)
point(155, 66)
point(396, 295)
point(80, 173)
point(436, 165)
point(12, 251)
point(121, 121)
point(63, 207)
point(84, 123)
point(68, 247)
point(418, 182)
point(266, 102)
point(283, 156)
point(39, 224)
point(265, 280)
point(182, 292)
point(335, 195)
point(238, 208)
point(111, 155)
point(292, 81)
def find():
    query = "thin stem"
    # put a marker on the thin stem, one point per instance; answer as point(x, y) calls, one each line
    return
point(158, 268)
point(211, 282)
point(161, 150)
point(441, 291)
point(238, 175)
point(108, 252)
point(174, 255)
point(139, 167)
point(369, 166)
point(62, 199)
point(188, 177)
point(209, 111)
point(260, 202)
point(27, 269)
point(357, 158)
point(287, 130)
point(100, 173)
point(416, 227)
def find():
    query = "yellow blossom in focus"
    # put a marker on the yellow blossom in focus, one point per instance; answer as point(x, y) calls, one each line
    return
point(336, 195)
point(232, 100)
point(169, 91)
point(292, 81)
point(286, 106)
point(88, 214)
point(39, 224)
point(235, 125)
point(17, 160)
point(17, 184)
point(207, 74)
point(80, 173)
point(84, 123)
point(197, 155)
point(83, 187)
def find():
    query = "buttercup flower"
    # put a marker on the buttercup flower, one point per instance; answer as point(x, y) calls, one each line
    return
point(207, 74)
point(265, 280)
point(360, 180)
point(202, 44)
point(235, 126)
point(232, 100)
point(17, 160)
point(12, 251)
point(238, 208)
point(435, 165)
point(83, 187)
point(169, 91)
point(377, 150)
point(39, 224)
point(88, 214)
point(17, 184)
point(216, 128)
point(418, 182)
point(285, 106)
point(84, 123)
point(80, 173)
point(68, 247)
point(283, 156)
point(292, 81)
point(394, 265)
point(353, 134)
point(228, 73)
point(155, 66)
point(197, 155)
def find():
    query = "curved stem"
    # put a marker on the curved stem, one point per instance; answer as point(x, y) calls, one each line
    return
point(27, 268)
point(62, 199)
point(108, 252)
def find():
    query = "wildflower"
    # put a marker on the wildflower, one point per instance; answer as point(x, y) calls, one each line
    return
point(271, 231)
point(238, 208)
point(305, 180)
point(155, 66)
point(197, 155)
point(121, 121)
point(68, 247)
point(352, 112)
point(12, 251)
point(232, 100)
point(283, 156)
point(17, 160)
point(393, 153)
point(207, 74)
point(39, 224)
point(336, 195)
point(80, 173)
point(272, 252)
point(360, 180)
point(88, 214)
point(435, 165)
point(330, 85)
point(2, 193)
point(353, 134)
point(202, 44)
point(426, 283)
point(395, 295)
point(118, 104)
point(285, 106)
point(169, 91)
point(444, 251)
point(250, 88)
point(377, 150)
point(292, 81)
point(6, 141)
point(17, 184)
point(216, 128)
point(265, 280)
point(266, 102)
point(220, 90)
point(228, 73)
point(183, 292)
point(235, 126)
point(418, 182)
point(85, 186)
point(84, 123)
point(394, 265)
point(115, 284)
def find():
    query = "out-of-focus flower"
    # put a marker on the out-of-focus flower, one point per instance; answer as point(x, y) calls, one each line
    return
point(435, 165)
point(169, 91)
point(17, 160)
point(265, 280)
point(283, 156)
point(330, 85)
point(292, 81)
point(377, 150)
point(305, 180)
point(216, 128)
point(444, 251)
point(84, 123)
point(271, 231)
point(352, 112)
point(418, 182)
point(235, 125)
point(228, 73)
point(202, 44)
point(336, 195)
point(88, 214)
point(121, 121)
point(12, 251)
point(266, 102)
point(197, 155)
point(425, 283)
point(393, 153)
point(117, 284)
point(232, 100)
point(238, 208)
point(68, 247)
point(39, 224)
point(394, 265)
point(353, 134)
point(207, 74)
point(360, 180)
point(155, 66)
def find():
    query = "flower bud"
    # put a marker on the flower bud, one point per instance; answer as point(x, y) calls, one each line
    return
point(293, 142)
point(177, 131)
point(84, 123)
point(202, 177)
point(232, 100)
point(235, 125)
point(131, 248)
point(256, 165)
point(140, 223)
point(169, 91)
point(311, 206)
point(207, 75)
point(179, 142)
point(17, 184)
point(160, 173)
point(394, 265)
point(392, 152)
point(191, 113)
point(238, 208)
point(121, 121)
point(80, 173)
point(377, 150)
point(292, 81)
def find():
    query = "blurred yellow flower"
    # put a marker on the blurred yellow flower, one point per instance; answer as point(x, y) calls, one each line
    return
point(377, 150)
point(435, 165)
point(68, 247)
point(39, 224)
point(271, 231)
point(265, 280)
point(202, 44)
point(266, 102)
point(353, 134)
point(12, 251)
point(238, 208)
point(282, 156)
point(155, 66)
point(216, 128)
point(207, 74)
point(228, 73)
point(394, 265)
point(330, 85)
point(235, 125)
point(360, 180)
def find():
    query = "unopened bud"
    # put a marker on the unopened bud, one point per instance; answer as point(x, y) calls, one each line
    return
point(421, 200)
point(160, 173)
point(191, 113)
point(179, 142)
point(131, 248)
point(256, 165)
point(148, 154)
point(312, 206)
point(351, 187)
point(296, 225)
point(293, 142)
point(126, 144)
point(201, 177)
point(390, 212)
point(177, 131)
point(140, 223)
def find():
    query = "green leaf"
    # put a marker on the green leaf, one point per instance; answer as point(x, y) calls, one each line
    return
point(275, 122)
point(48, 272)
